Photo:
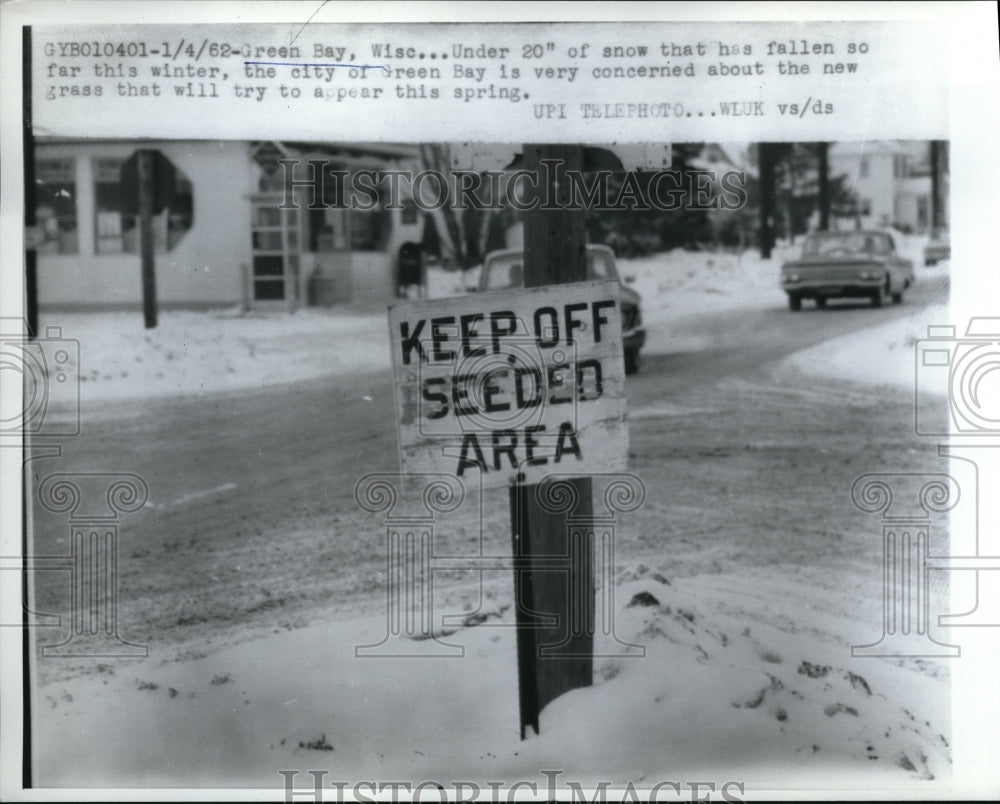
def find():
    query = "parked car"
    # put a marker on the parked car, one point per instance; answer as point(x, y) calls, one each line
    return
point(847, 264)
point(633, 244)
point(938, 248)
point(505, 269)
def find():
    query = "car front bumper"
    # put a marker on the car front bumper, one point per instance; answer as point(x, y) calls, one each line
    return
point(634, 338)
point(810, 288)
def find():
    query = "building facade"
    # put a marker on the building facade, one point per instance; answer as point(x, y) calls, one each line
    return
point(891, 182)
point(224, 231)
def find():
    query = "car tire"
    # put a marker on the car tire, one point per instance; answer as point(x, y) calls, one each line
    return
point(632, 361)
point(794, 302)
point(880, 296)
point(821, 301)
point(897, 298)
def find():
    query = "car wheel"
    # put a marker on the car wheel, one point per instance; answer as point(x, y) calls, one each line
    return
point(879, 296)
point(821, 301)
point(631, 361)
point(794, 302)
point(897, 298)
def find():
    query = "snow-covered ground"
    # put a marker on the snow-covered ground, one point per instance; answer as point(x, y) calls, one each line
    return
point(193, 353)
point(721, 694)
point(881, 356)
point(744, 678)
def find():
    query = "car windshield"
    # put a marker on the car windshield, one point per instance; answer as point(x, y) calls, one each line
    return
point(507, 270)
point(846, 243)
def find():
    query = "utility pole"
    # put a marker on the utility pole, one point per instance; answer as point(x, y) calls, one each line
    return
point(145, 170)
point(938, 170)
point(766, 164)
point(823, 156)
point(555, 252)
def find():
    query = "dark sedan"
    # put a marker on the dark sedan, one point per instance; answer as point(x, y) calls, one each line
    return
point(504, 269)
point(847, 264)
point(938, 249)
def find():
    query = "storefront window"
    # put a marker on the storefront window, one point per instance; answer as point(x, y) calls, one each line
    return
point(108, 206)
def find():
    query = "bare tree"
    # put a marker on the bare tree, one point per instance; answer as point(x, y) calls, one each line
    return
point(463, 233)
point(823, 158)
point(939, 171)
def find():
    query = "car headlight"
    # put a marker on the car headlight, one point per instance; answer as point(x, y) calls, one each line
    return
point(870, 274)
point(792, 277)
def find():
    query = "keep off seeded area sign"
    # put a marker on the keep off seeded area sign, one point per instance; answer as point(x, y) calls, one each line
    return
point(527, 381)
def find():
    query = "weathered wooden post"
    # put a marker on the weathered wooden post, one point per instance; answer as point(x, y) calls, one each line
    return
point(524, 389)
point(555, 252)
point(823, 158)
point(146, 179)
point(766, 164)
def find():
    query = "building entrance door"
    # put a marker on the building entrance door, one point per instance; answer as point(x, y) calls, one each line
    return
point(273, 279)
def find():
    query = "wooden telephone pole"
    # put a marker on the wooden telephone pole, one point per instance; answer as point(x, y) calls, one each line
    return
point(823, 159)
point(766, 163)
point(939, 169)
point(555, 252)
point(146, 192)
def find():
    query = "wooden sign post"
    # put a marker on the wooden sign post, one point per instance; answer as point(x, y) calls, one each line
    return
point(145, 166)
point(555, 252)
point(508, 387)
point(513, 386)
point(147, 179)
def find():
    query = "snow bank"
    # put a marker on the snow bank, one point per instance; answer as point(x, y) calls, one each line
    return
point(881, 356)
point(718, 695)
point(884, 355)
point(681, 282)
point(194, 353)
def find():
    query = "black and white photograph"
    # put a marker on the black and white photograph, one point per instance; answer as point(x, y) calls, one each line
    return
point(495, 402)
